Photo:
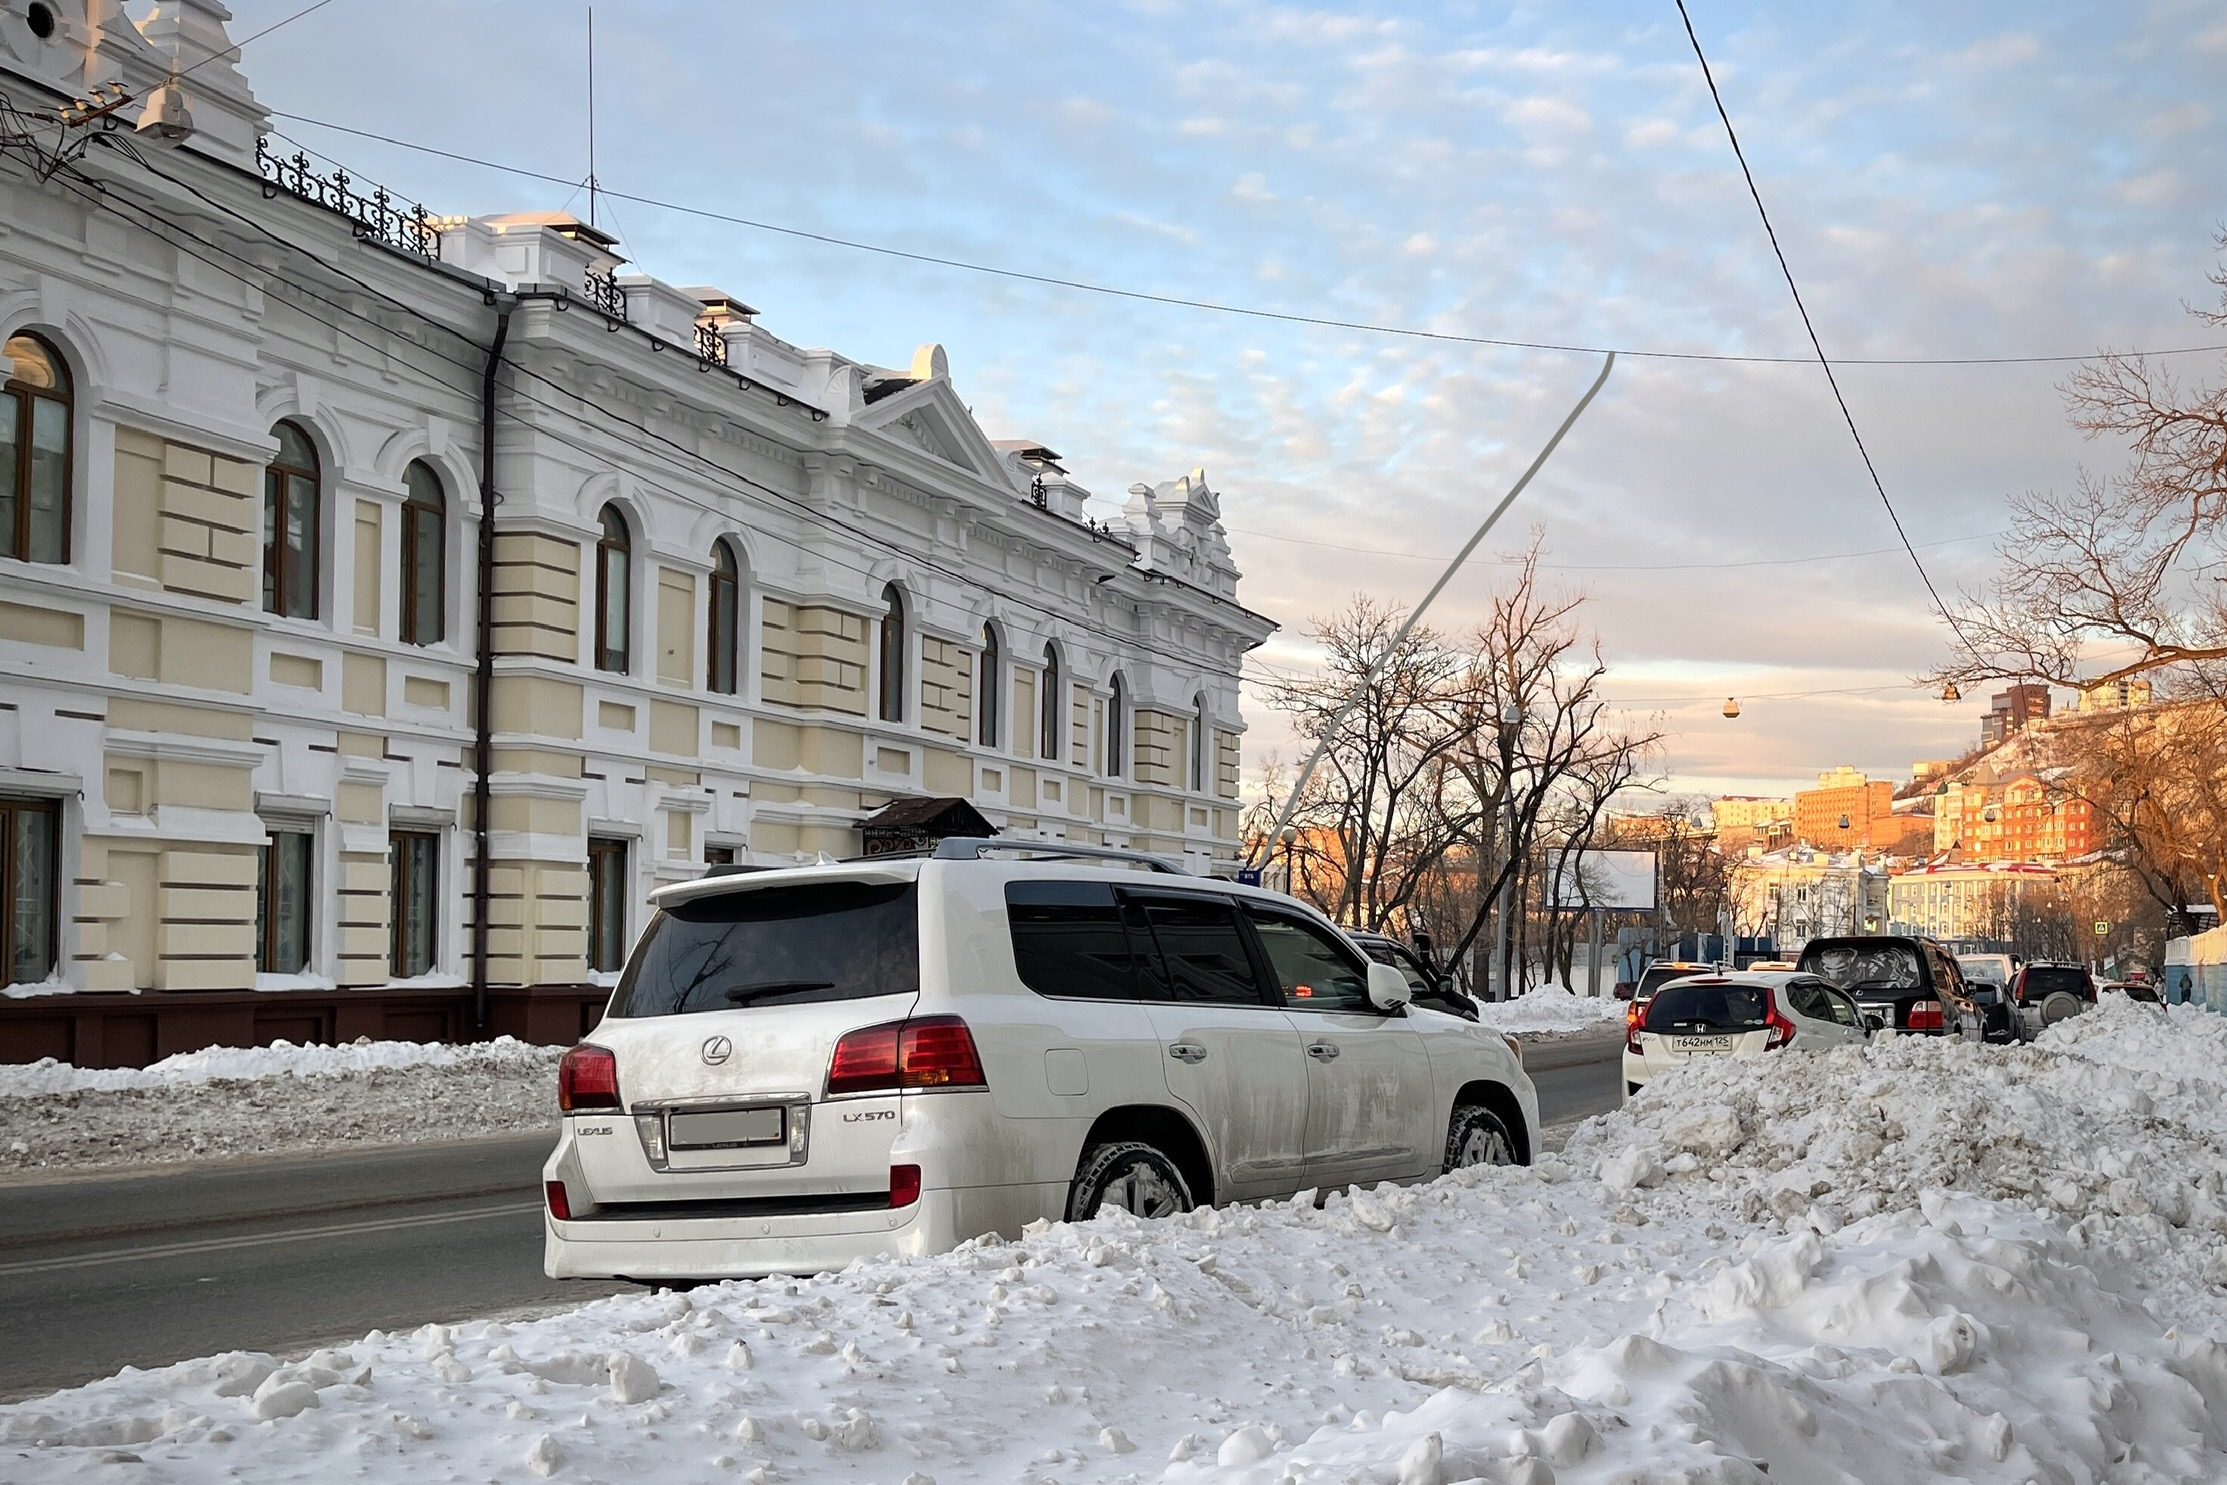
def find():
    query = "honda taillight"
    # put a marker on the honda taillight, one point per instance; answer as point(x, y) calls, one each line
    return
point(1635, 1019)
point(560, 1205)
point(587, 1078)
point(1782, 1030)
point(931, 1052)
point(1925, 1015)
point(904, 1185)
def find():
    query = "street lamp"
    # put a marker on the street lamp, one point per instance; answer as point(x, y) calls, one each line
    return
point(1287, 838)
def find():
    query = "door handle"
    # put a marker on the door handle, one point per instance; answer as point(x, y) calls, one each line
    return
point(1187, 1052)
point(1323, 1051)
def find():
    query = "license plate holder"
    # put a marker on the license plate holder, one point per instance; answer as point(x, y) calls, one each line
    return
point(1703, 1044)
point(726, 1129)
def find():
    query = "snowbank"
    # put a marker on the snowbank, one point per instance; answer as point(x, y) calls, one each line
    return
point(1916, 1261)
point(279, 1059)
point(272, 1100)
point(1550, 1008)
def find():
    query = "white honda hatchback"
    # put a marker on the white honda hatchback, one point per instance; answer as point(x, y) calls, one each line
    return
point(804, 1066)
point(1743, 1014)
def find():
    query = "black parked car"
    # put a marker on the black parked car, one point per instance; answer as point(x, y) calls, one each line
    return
point(1429, 986)
point(1910, 984)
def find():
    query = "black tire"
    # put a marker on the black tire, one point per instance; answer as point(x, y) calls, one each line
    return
point(1478, 1136)
point(1128, 1174)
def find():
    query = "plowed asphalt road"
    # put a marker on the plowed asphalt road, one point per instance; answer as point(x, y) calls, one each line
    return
point(140, 1269)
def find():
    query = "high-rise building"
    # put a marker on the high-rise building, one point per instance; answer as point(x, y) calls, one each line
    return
point(2009, 711)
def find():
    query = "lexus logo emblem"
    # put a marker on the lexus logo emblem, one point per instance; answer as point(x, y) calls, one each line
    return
point(717, 1049)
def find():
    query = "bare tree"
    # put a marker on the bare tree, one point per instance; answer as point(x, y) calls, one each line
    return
point(2126, 564)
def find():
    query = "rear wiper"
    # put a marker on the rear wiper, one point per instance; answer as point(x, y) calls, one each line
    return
point(740, 993)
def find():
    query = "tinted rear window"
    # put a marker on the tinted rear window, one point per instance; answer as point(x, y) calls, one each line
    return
point(1709, 1007)
point(1660, 975)
point(2049, 981)
point(814, 941)
point(1866, 966)
point(1069, 942)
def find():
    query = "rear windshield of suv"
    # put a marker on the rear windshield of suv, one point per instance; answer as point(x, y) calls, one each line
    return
point(767, 946)
point(1884, 966)
point(1707, 1007)
point(1655, 976)
point(2050, 981)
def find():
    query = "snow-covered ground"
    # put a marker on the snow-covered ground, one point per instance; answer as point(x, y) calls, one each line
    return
point(272, 1100)
point(1916, 1261)
point(1550, 1009)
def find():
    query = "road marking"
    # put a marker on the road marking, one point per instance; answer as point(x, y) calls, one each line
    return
point(261, 1240)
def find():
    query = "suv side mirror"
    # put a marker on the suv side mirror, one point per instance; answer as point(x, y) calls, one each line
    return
point(1388, 989)
point(1874, 1022)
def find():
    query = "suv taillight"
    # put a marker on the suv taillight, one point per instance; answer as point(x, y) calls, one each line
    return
point(1782, 1030)
point(931, 1052)
point(1925, 1015)
point(587, 1078)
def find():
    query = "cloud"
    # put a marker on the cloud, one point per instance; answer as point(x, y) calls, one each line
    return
point(2008, 50)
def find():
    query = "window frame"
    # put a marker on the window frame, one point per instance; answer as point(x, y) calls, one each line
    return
point(416, 514)
point(1252, 914)
point(1049, 733)
point(989, 681)
point(614, 550)
point(402, 869)
point(15, 544)
point(894, 639)
point(1199, 735)
point(267, 922)
point(279, 596)
point(723, 621)
point(13, 808)
point(1117, 726)
point(1267, 995)
point(607, 884)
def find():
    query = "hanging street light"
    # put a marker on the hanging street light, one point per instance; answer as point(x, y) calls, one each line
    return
point(1731, 707)
point(1950, 694)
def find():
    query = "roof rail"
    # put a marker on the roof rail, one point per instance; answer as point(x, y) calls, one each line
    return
point(972, 848)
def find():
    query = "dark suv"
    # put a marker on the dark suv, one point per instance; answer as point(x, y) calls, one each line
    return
point(2053, 992)
point(1910, 984)
point(1429, 986)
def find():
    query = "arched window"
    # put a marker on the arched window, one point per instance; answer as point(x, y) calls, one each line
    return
point(614, 586)
point(424, 556)
point(724, 643)
point(1051, 730)
point(893, 656)
point(1117, 727)
point(291, 539)
point(1201, 738)
point(34, 452)
point(989, 687)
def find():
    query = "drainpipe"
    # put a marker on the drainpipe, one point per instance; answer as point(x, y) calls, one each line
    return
point(483, 705)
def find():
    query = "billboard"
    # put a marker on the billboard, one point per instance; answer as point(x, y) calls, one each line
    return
point(1615, 881)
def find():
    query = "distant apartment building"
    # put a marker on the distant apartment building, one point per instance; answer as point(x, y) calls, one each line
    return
point(2008, 712)
point(1750, 811)
point(1842, 794)
point(2115, 696)
point(1992, 816)
point(1801, 893)
point(1968, 902)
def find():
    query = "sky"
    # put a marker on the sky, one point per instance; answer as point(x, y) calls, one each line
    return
point(1946, 181)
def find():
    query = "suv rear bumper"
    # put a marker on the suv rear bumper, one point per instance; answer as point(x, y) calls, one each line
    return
point(749, 1247)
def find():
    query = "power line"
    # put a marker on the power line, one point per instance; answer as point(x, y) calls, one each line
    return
point(1340, 546)
point(104, 195)
point(1815, 344)
point(1176, 301)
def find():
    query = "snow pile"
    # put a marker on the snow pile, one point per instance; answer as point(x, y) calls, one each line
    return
point(1550, 1008)
point(279, 1059)
point(1920, 1260)
point(272, 1100)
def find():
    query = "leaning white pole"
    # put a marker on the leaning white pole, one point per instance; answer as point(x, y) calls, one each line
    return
point(1337, 721)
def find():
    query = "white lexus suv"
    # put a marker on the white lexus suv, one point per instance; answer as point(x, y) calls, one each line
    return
point(803, 1066)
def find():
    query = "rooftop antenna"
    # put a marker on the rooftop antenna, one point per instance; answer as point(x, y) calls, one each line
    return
point(591, 116)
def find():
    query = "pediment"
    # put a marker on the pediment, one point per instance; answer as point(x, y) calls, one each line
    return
point(929, 416)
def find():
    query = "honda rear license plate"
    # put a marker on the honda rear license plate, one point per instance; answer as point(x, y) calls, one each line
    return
point(724, 1129)
point(1701, 1044)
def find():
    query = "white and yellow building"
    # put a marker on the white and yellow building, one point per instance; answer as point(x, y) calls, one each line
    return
point(742, 594)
